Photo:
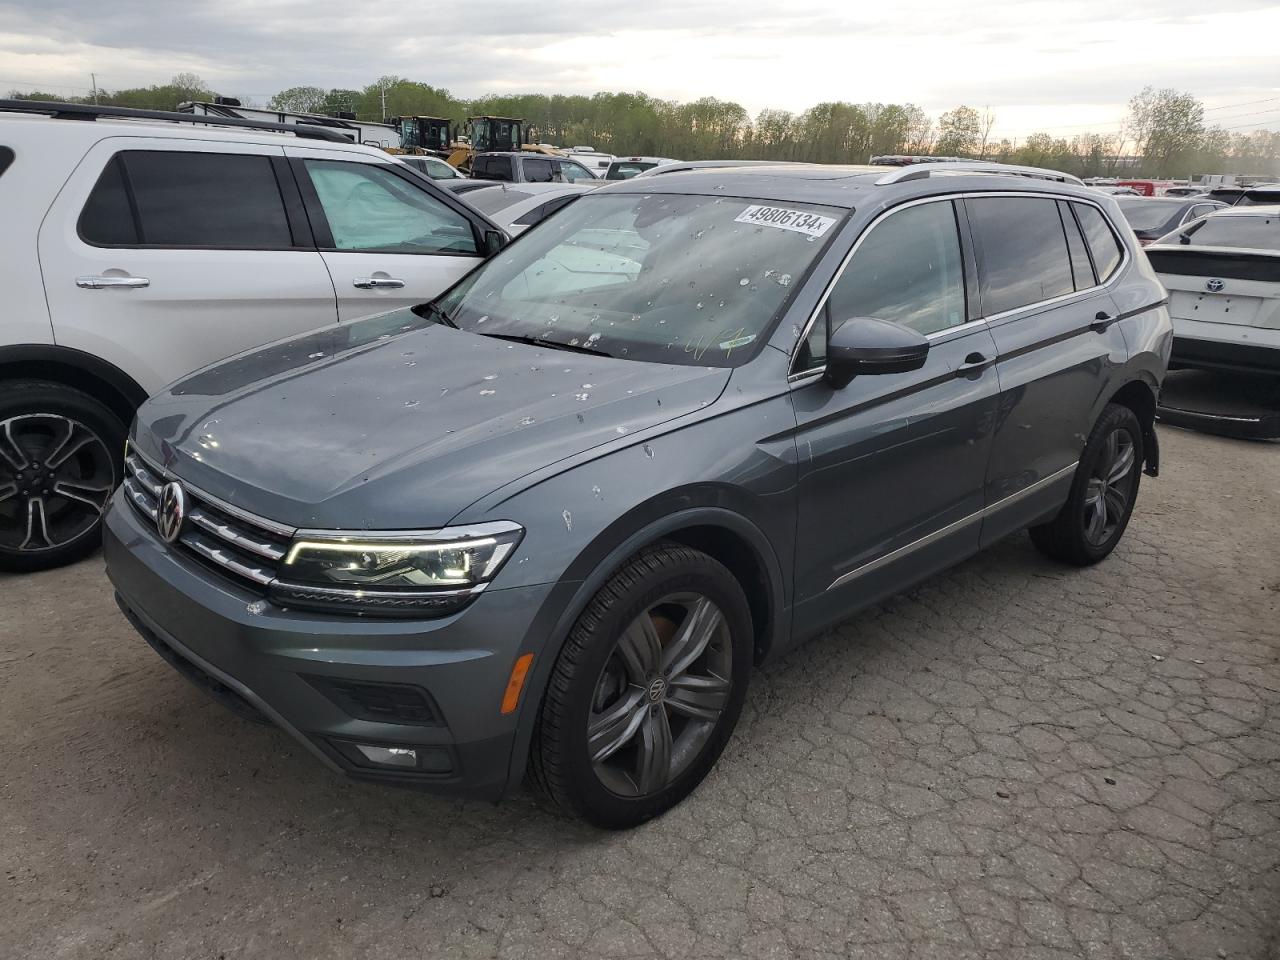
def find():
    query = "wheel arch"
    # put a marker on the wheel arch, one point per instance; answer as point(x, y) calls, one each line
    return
point(726, 535)
point(106, 383)
point(1139, 395)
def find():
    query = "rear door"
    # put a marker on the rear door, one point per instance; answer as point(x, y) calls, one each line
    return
point(892, 466)
point(390, 239)
point(1042, 266)
point(161, 256)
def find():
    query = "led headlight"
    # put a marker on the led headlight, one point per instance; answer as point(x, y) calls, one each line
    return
point(431, 573)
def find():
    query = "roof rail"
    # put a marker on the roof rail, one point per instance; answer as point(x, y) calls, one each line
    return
point(89, 111)
point(919, 171)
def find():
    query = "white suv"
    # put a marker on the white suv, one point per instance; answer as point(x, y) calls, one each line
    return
point(134, 249)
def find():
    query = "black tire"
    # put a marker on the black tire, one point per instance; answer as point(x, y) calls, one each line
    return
point(561, 765)
point(1073, 535)
point(43, 423)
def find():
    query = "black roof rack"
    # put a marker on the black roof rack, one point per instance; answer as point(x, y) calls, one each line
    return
point(89, 111)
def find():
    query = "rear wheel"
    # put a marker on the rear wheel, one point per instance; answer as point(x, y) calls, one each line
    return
point(1103, 492)
point(61, 456)
point(647, 689)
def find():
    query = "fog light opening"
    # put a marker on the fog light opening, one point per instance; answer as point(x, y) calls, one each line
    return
point(403, 757)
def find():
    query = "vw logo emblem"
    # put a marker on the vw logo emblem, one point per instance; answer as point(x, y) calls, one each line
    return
point(657, 689)
point(1214, 286)
point(171, 512)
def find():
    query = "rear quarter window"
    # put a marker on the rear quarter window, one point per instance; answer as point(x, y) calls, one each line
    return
point(1104, 246)
point(6, 158)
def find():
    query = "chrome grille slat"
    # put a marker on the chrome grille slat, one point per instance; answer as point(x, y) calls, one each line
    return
point(222, 558)
point(224, 531)
point(244, 547)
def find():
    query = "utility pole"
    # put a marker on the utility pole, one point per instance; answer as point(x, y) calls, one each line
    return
point(94, 77)
point(384, 101)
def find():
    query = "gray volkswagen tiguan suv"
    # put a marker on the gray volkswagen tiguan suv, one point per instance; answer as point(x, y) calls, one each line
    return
point(549, 522)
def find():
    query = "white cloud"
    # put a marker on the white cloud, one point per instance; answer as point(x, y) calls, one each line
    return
point(1039, 65)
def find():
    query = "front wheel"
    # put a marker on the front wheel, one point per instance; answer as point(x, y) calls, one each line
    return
point(61, 455)
point(1103, 492)
point(646, 690)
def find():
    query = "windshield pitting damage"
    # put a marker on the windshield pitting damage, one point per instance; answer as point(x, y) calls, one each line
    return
point(665, 278)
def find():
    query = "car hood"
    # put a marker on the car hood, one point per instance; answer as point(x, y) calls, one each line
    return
point(396, 422)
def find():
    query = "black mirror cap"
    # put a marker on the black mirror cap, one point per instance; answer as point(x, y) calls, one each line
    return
point(865, 346)
point(494, 241)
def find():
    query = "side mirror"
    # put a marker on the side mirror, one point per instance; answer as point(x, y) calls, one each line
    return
point(494, 241)
point(868, 345)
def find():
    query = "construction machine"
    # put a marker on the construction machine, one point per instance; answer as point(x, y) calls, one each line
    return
point(424, 135)
point(494, 134)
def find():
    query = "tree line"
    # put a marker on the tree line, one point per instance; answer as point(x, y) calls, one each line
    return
point(1165, 134)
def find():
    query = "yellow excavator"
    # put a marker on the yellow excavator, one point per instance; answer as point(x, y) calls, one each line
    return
point(423, 135)
point(489, 134)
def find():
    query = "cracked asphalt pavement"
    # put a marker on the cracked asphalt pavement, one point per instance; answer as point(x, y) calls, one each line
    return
point(1013, 759)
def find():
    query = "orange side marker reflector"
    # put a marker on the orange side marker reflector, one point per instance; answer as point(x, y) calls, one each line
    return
point(518, 673)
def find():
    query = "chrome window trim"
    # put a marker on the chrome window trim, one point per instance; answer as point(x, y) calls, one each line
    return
point(976, 516)
point(795, 376)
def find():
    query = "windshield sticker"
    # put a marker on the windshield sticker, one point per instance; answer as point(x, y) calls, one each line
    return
point(809, 224)
point(737, 342)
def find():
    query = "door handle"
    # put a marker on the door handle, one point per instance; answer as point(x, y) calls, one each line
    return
point(101, 283)
point(377, 283)
point(1101, 321)
point(973, 364)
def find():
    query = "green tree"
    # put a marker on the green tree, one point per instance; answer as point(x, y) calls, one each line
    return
point(1166, 126)
point(299, 100)
point(959, 132)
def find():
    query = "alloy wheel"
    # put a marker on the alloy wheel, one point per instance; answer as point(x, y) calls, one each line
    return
point(56, 476)
point(660, 695)
point(1109, 488)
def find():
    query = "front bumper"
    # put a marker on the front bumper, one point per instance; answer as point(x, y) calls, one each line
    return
point(281, 664)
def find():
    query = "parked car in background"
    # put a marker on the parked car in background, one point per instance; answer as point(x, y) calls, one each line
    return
point(1223, 277)
point(134, 249)
point(1263, 194)
point(432, 167)
point(1115, 190)
point(627, 167)
point(1153, 217)
point(519, 207)
point(1185, 191)
point(561, 512)
point(594, 160)
point(511, 167)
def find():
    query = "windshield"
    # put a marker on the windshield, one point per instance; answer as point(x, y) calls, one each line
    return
point(1251, 233)
point(1149, 214)
point(666, 278)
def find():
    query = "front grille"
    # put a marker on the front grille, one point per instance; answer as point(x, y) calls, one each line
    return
point(245, 548)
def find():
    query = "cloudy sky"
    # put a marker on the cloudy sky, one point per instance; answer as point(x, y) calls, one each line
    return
point(1061, 67)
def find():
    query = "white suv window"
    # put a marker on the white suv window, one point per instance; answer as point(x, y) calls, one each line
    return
point(370, 208)
point(159, 198)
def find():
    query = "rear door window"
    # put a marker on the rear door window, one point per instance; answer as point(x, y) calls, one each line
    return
point(538, 170)
point(1023, 251)
point(184, 199)
point(1103, 244)
point(493, 168)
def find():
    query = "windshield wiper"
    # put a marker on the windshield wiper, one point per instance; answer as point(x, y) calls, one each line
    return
point(553, 344)
point(431, 308)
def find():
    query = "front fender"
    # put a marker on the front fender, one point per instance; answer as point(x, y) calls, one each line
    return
point(590, 571)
